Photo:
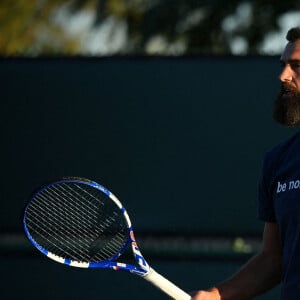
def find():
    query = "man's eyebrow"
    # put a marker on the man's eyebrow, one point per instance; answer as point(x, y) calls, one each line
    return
point(290, 61)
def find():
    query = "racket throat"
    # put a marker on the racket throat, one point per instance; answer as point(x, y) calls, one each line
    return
point(139, 258)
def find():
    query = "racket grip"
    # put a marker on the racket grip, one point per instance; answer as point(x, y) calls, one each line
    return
point(166, 286)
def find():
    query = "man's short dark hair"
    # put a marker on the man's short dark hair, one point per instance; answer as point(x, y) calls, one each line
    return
point(293, 34)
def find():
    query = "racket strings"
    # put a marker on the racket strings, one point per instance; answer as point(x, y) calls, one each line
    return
point(76, 222)
point(56, 231)
point(68, 243)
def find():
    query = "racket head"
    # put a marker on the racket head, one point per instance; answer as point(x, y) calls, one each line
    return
point(77, 222)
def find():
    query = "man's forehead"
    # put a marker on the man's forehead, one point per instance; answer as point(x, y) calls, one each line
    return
point(291, 51)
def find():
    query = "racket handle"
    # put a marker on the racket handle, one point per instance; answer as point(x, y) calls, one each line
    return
point(167, 286)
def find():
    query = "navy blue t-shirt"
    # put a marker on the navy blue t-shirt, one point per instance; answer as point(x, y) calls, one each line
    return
point(279, 202)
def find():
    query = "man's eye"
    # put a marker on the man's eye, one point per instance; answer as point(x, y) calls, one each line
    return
point(296, 66)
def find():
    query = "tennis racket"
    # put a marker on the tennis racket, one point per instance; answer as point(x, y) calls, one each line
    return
point(79, 223)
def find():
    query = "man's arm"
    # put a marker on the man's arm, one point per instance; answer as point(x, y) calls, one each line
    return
point(258, 275)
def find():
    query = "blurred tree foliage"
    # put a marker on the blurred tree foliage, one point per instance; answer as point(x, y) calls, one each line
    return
point(137, 27)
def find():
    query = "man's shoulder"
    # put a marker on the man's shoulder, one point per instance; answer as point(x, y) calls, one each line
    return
point(285, 146)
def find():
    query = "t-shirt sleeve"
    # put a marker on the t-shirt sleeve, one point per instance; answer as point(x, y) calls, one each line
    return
point(266, 211)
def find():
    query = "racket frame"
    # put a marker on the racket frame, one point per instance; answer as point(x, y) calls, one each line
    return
point(142, 269)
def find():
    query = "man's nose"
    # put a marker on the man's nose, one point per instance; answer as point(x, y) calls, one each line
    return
point(286, 74)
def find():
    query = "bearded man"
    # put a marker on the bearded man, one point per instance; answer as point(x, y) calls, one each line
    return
point(279, 202)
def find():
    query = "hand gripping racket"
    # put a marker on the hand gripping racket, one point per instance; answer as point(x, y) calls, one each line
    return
point(78, 222)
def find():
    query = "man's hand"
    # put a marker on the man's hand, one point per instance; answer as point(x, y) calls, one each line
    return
point(212, 294)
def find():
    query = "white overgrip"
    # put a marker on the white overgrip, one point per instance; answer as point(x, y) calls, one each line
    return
point(167, 286)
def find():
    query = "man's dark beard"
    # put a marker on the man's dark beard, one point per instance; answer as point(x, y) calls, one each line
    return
point(287, 107)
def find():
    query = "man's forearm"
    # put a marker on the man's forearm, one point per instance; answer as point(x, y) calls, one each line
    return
point(260, 274)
